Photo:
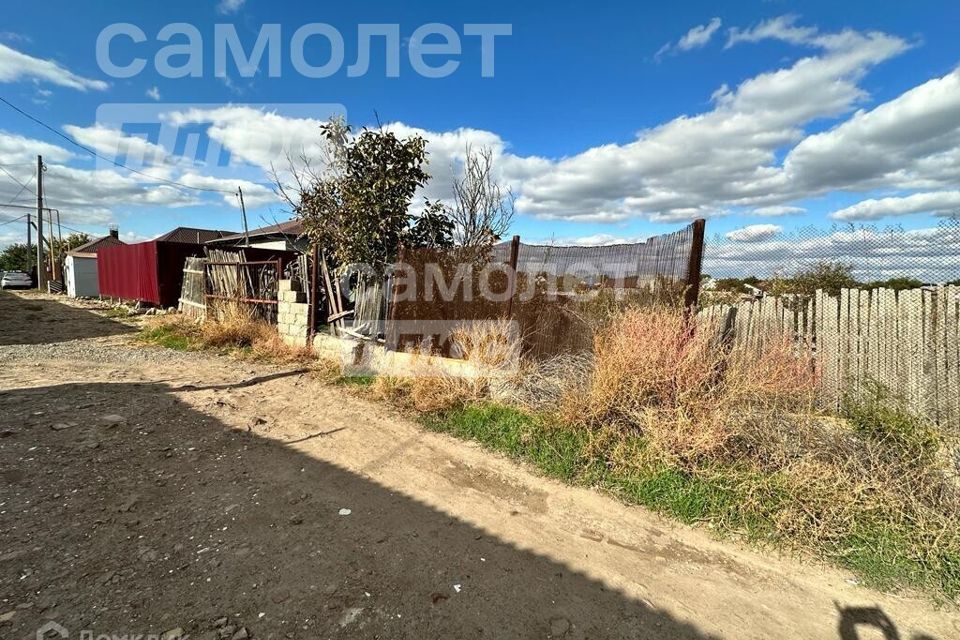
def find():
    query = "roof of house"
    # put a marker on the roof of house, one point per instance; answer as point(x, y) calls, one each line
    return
point(95, 245)
point(192, 235)
point(289, 228)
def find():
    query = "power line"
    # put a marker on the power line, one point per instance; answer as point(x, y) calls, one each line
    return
point(23, 185)
point(12, 177)
point(105, 159)
point(12, 221)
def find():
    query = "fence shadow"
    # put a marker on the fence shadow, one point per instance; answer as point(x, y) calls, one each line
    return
point(167, 518)
point(36, 321)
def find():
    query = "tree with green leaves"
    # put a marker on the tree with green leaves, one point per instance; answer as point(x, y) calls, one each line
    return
point(16, 257)
point(897, 284)
point(828, 276)
point(358, 207)
point(70, 243)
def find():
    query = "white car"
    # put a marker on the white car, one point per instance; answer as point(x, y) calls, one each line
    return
point(16, 280)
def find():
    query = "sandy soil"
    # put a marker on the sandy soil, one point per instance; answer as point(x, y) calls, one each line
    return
point(147, 491)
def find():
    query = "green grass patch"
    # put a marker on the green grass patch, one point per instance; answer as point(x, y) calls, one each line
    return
point(117, 312)
point(732, 500)
point(555, 451)
point(168, 336)
point(354, 381)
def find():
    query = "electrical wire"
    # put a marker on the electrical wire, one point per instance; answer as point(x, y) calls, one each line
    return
point(23, 186)
point(105, 159)
point(12, 221)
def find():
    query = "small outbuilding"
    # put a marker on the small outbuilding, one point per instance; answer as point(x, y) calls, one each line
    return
point(151, 271)
point(80, 266)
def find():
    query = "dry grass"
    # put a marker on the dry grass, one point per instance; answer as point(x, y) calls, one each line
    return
point(491, 347)
point(683, 389)
point(673, 417)
point(231, 327)
point(869, 489)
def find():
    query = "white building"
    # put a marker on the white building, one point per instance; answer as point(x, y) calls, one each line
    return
point(80, 266)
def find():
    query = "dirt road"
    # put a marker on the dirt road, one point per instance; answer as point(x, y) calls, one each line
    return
point(145, 491)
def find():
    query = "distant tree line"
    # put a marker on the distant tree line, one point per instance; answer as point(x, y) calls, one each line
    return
point(20, 257)
point(828, 276)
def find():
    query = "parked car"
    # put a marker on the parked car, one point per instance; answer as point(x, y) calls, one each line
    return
point(16, 280)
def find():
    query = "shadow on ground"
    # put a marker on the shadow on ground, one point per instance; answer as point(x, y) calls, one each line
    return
point(37, 321)
point(169, 519)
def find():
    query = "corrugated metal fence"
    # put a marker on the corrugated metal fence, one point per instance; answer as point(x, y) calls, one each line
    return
point(909, 341)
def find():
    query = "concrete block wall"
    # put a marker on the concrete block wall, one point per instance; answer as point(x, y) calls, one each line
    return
point(293, 313)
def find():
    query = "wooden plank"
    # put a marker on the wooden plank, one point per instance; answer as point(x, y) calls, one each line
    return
point(939, 348)
point(828, 341)
point(888, 305)
point(953, 339)
point(844, 346)
point(929, 379)
point(865, 330)
point(911, 313)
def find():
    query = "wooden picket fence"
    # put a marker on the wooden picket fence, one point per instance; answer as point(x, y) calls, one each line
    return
point(908, 341)
point(192, 299)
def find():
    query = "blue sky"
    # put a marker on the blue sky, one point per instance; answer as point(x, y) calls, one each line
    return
point(609, 120)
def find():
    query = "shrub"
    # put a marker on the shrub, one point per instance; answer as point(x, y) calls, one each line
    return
point(883, 417)
point(681, 386)
point(232, 324)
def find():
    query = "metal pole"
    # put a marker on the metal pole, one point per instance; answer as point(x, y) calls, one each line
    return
point(512, 275)
point(41, 268)
point(29, 242)
point(243, 209)
point(695, 268)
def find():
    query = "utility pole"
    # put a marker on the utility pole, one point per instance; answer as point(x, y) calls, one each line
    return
point(29, 238)
point(56, 244)
point(41, 268)
point(243, 209)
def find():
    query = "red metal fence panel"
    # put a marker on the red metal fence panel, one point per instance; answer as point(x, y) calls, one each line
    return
point(129, 272)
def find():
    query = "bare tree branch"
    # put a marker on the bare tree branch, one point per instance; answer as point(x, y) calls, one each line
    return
point(482, 209)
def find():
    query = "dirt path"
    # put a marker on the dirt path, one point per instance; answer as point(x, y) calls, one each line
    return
point(145, 490)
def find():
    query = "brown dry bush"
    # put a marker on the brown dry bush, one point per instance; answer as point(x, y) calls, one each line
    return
point(682, 387)
point(491, 347)
point(232, 324)
point(663, 393)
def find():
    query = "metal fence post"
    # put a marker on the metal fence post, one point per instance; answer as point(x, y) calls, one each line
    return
point(695, 268)
point(512, 282)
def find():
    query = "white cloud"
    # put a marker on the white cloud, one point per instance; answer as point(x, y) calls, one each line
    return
point(704, 164)
point(780, 28)
point(230, 6)
point(594, 240)
point(911, 142)
point(754, 233)
point(938, 202)
point(875, 254)
point(113, 143)
point(15, 66)
point(696, 38)
point(12, 36)
point(722, 161)
point(153, 93)
point(777, 210)
point(16, 149)
point(257, 136)
point(699, 36)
